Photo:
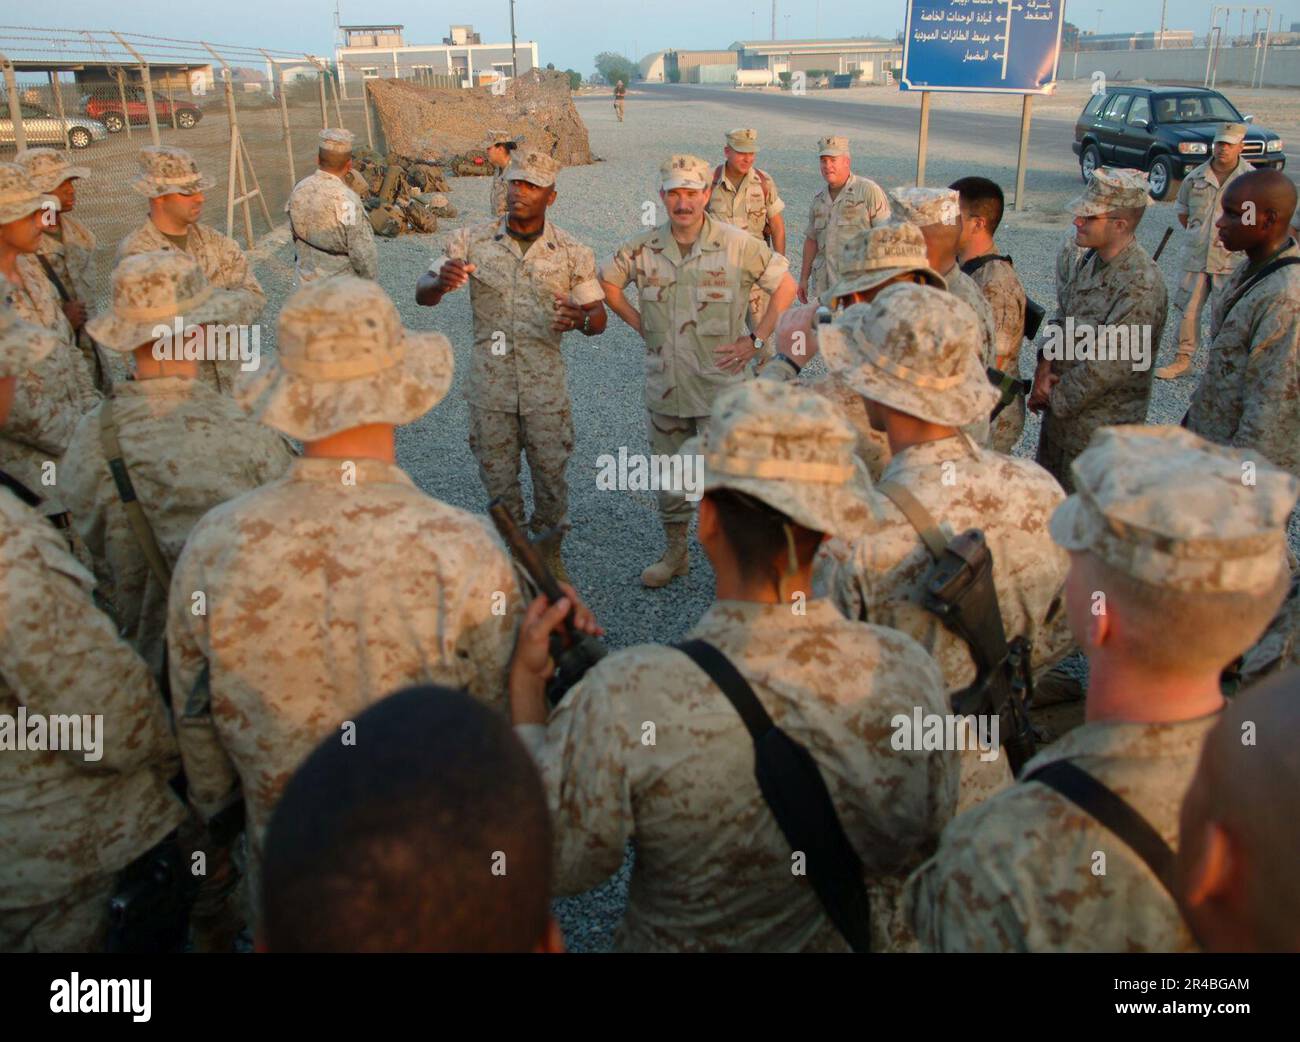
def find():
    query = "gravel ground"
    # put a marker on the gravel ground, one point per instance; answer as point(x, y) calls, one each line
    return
point(616, 534)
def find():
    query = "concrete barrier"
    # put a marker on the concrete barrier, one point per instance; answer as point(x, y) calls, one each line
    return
point(1183, 65)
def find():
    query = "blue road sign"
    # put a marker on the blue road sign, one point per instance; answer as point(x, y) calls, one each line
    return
point(985, 46)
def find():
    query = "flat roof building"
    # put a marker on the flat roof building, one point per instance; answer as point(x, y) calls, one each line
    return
point(380, 52)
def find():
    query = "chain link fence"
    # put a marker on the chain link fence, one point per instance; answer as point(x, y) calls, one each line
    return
point(248, 115)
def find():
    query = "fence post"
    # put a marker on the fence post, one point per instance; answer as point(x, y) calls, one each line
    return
point(121, 94)
point(365, 107)
point(148, 88)
point(15, 106)
point(278, 73)
point(57, 88)
point(171, 98)
point(320, 79)
point(338, 112)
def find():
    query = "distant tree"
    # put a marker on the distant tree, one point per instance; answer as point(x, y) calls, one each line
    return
point(674, 75)
point(575, 79)
point(614, 67)
point(1069, 36)
point(551, 66)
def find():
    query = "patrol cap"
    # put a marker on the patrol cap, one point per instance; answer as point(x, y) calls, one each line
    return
point(22, 344)
point(780, 444)
point(1170, 509)
point(335, 139)
point(344, 360)
point(926, 206)
point(19, 196)
point(1109, 189)
point(914, 349)
point(682, 171)
point(835, 145)
point(500, 137)
point(1232, 133)
point(743, 139)
point(537, 168)
point(154, 289)
point(165, 169)
point(873, 256)
point(47, 168)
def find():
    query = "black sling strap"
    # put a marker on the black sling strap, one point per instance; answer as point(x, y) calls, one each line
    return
point(796, 793)
point(1113, 812)
point(973, 265)
point(321, 249)
point(1256, 279)
point(20, 490)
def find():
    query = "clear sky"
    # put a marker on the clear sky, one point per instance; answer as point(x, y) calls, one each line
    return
point(568, 32)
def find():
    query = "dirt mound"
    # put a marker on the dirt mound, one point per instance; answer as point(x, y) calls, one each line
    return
point(447, 126)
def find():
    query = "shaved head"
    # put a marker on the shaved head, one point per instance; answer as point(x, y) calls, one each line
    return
point(1240, 825)
point(1257, 210)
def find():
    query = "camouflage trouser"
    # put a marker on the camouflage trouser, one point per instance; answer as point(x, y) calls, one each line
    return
point(618, 108)
point(546, 439)
point(1056, 451)
point(1008, 427)
point(667, 436)
point(76, 922)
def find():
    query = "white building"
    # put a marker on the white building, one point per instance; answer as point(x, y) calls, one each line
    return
point(380, 52)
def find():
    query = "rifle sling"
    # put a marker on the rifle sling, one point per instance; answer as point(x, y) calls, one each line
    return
point(1113, 812)
point(140, 527)
point(1255, 280)
point(919, 518)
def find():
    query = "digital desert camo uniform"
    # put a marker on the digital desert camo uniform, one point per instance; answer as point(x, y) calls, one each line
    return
point(1001, 286)
point(498, 202)
point(1017, 873)
point(186, 448)
point(68, 825)
point(689, 306)
point(69, 248)
point(713, 870)
point(163, 170)
point(517, 394)
point(1250, 394)
point(861, 203)
point(1127, 291)
point(1206, 264)
point(924, 207)
point(749, 205)
point(53, 393)
point(331, 231)
point(910, 350)
point(337, 584)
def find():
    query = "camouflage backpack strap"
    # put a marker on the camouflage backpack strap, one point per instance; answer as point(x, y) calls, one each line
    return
point(126, 493)
point(918, 517)
point(717, 175)
point(1112, 812)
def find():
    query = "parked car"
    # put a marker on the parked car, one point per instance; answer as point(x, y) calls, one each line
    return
point(45, 128)
point(1165, 131)
point(108, 109)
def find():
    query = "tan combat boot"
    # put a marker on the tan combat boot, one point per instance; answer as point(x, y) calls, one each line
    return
point(1181, 363)
point(675, 560)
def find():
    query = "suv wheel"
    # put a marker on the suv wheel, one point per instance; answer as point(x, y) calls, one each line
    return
point(1089, 161)
point(1160, 177)
point(113, 122)
point(79, 137)
point(185, 119)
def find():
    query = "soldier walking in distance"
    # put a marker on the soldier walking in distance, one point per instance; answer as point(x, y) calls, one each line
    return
point(331, 234)
point(1250, 394)
point(67, 247)
point(1095, 355)
point(745, 196)
point(532, 283)
point(620, 95)
point(1187, 563)
point(846, 205)
point(1207, 263)
point(693, 276)
point(500, 146)
point(71, 818)
point(713, 870)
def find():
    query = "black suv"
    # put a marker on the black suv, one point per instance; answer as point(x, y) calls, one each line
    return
point(1164, 130)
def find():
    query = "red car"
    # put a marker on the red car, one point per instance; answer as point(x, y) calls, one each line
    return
point(107, 108)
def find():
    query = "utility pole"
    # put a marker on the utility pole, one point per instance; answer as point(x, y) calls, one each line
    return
point(1164, 5)
point(773, 19)
point(514, 54)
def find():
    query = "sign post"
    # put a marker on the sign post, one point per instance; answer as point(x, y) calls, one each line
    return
point(991, 47)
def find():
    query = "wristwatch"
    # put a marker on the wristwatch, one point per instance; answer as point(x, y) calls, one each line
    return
point(586, 317)
point(759, 343)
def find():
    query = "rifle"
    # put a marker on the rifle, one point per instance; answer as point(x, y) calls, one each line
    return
point(1010, 387)
point(573, 652)
point(1161, 248)
point(960, 592)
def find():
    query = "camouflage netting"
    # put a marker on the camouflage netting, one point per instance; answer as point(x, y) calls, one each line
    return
point(447, 126)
